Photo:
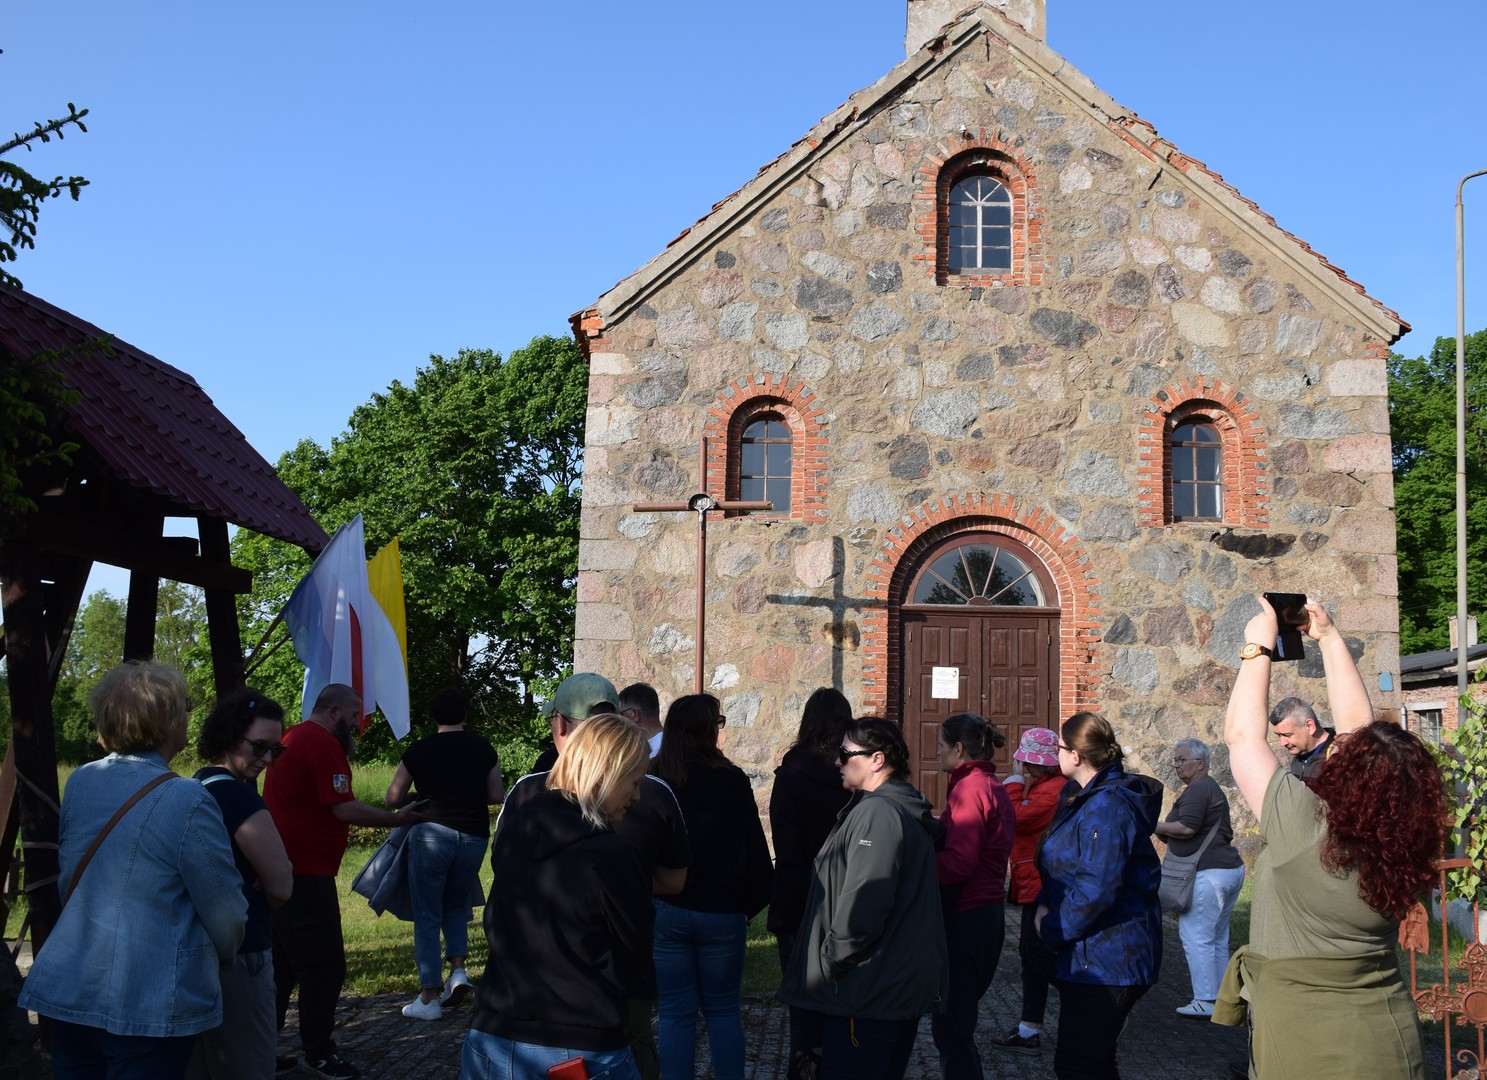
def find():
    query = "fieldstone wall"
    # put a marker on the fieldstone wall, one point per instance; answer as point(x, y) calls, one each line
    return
point(1154, 278)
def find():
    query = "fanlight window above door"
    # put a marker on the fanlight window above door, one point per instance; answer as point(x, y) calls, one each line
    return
point(979, 575)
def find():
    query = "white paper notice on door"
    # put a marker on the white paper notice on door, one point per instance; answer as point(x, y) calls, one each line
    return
point(944, 682)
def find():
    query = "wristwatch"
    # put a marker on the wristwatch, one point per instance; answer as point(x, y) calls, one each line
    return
point(1251, 650)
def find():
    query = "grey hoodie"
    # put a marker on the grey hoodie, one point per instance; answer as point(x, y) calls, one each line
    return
point(872, 943)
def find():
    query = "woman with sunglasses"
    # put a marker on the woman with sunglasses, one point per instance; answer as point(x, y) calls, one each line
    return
point(240, 737)
point(702, 931)
point(1099, 911)
point(871, 952)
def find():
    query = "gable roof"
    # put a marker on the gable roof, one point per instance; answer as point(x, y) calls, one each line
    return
point(154, 427)
point(969, 27)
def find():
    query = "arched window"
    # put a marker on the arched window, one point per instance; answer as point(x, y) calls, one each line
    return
point(985, 223)
point(979, 215)
point(1196, 457)
point(980, 574)
point(1204, 458)
point(764, 459)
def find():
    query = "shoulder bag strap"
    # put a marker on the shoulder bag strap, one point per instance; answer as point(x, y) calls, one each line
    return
point(77, 874)
point(1207, 840)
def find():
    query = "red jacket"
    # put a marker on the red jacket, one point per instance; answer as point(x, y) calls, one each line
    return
point(979, 827)
point(1034, 808)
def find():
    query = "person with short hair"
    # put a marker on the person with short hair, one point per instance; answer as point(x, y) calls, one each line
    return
point(129, 974)
point(871, 954)
point(569, 922)
point(641, 705)
point(308, 792)
point(458, 773)
point(241, 737)
point(701, 933)
point(577, 698)
point(1345, 856)
point(1204, 926)
point(1297, 728)
point(979, 829)
point(1099, 911)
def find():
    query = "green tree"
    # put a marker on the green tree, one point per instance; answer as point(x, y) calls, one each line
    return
point(31, 388)
point(1422, 418)
point(97, 644)
point(475, 468)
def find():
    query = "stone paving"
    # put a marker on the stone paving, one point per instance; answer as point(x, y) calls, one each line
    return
point(1158, 1045)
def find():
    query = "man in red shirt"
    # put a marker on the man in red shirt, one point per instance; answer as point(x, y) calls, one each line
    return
point(308, 792)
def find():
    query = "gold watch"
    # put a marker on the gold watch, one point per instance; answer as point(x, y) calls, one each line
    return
point(1251, 650)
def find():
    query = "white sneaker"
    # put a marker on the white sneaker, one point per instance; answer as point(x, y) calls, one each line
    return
point(1198, 1010)
point(456, 988)
point(418, 1009)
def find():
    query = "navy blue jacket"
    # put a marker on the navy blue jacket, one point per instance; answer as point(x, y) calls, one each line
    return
point(1100, 879)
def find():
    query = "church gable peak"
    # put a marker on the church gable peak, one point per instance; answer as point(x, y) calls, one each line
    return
point(928, 17)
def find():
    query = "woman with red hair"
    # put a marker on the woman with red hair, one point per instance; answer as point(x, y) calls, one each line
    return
point(1343, 862)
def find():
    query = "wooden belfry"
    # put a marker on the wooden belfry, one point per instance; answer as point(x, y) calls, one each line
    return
point(151, 446)
point(702, 504)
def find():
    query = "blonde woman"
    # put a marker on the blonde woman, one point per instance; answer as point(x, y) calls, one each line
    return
point(570, 918)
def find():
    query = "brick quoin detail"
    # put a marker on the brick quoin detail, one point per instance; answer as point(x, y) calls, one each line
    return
point(1244, 453)
point(589, 331)
point(1066, 560)
point(738, 407)
point(979, 153)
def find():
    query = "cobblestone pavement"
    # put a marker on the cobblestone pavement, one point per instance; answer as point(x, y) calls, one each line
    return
point(1158, 1045)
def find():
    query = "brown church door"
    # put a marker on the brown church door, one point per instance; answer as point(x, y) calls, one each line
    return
point(978, 636)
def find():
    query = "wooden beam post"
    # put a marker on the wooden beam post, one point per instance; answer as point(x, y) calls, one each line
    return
point(28, 662)
point(222, 616)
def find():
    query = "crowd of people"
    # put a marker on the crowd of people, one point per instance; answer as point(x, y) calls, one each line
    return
point(628, 866)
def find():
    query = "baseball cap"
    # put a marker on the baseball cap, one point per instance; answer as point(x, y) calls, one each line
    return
point(577, 695)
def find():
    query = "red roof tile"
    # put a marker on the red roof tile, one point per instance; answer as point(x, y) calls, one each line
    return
point(155, 427)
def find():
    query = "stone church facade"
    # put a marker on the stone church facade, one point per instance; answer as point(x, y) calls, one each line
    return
point(1041, 402)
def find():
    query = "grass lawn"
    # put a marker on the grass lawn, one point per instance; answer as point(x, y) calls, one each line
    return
point(379, 950)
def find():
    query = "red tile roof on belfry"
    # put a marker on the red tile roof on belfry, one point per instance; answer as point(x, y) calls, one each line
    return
point(154, 426)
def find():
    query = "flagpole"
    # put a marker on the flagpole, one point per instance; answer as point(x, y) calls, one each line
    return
point(250, 664)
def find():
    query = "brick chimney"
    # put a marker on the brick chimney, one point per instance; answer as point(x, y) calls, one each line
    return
point(927, 16)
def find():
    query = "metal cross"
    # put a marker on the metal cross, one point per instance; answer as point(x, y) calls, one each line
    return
point(702, 503)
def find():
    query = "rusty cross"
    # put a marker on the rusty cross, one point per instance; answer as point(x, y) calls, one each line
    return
point(702, 503)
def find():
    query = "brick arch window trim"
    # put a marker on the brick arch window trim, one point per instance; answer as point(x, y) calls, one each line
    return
point(795, 405)
point(1062, 555)
point(979, 154)
point(1244, 454)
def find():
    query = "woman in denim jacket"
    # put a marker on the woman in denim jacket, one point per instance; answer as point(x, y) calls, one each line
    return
point(129, 973)
point(1099, 911)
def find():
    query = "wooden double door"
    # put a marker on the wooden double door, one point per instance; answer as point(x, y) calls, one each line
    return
point(1002, 664)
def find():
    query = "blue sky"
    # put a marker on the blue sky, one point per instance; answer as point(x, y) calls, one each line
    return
point(299, 202)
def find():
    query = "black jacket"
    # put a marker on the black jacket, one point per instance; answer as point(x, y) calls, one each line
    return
point(807, 797)
point(569, 925)
point(730, 870)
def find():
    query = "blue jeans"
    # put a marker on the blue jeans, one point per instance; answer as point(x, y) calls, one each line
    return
point(441, 864)
point(699, 967)
point(490, 1057)
point(1204, 928)
point(88, 1053)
